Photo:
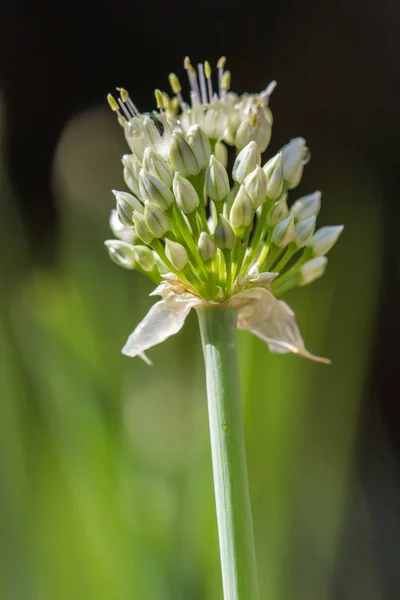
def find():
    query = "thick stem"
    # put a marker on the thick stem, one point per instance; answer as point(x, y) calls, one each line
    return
point(218, 328)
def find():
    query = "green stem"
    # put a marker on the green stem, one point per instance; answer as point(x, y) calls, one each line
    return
point(218, 332)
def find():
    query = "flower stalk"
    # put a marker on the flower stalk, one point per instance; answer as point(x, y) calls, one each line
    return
point(218, 327)
point(226, 240)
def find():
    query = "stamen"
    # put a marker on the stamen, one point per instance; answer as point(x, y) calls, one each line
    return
point(115, 108)
point(125, 110)
point(269, 89)
point(159, 99)
point(124, 94)
point(191, 73)
point(113, 103)
point(127, 100)
point(207, 71)
point(221, 62)
point(220, 67)
point(202, 83)
point(176, 88)
point(225, 83)
point(174, 83)
point(194, 97)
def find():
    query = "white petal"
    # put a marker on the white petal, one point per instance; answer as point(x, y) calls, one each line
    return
point(165, 318)
point(271, 320)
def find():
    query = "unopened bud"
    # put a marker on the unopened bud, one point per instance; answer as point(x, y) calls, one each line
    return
point(185, 195)
point(221, 153)
point(154, 190)
point(311, 270)
point(121, 253)
point(323, 239)
point(206, 246)
point(273, 170)
point(255, 185)
point(126, 233)
point(154, 164)
point(150, 133)
point(303, 231)
point(141, 228)
point(224, 235)
point(216, 180)
point(126, 204)
point(131, 173)
point(182, 156)
point(156, 220)
point(307, 206)
point(138, 146)
point(200, 144)
point(278, 211)
point(283, 232)
point(242, 211)
point(176, 254)
point(255, 128)
point(144, 258)
point(294, 156)
point(246, 161)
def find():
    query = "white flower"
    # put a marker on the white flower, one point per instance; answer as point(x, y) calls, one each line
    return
point(210, 231)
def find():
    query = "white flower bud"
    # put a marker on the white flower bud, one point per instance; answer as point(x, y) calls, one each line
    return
point(246, 161)
point(182, 156)
point(216, 180)
point(154, 190)
point(278, 211)
point(221, 153)
point(150, 133)
point(303, 231)
point(224, 235)
point(206, 246)
point(144, 258)
point(294, 156)
point(283, 232)
point(214, 121)
point(176, 254)
point(200, 144)
point(131, 173)
point(126, 204)
point(154, 164)
point(156, 220)
point(137, 146)
point(185, 195)
point(121, 253)
point(242, 211)
point(273, 170)
point(307, 206)
point(255, 128)
point(323, 239)
point(255, 185)
point(126, 233)
point(313, 269)
point(141, 228)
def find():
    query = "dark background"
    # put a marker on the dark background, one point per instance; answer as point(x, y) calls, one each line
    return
point(338, 70)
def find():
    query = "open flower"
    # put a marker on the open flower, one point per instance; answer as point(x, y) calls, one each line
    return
point(210, 235)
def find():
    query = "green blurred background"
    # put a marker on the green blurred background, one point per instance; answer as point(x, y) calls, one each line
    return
point(105, 472)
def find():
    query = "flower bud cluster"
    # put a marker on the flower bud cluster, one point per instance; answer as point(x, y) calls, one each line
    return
point(211, 224)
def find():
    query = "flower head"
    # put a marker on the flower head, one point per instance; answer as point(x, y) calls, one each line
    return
point(210, 233)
